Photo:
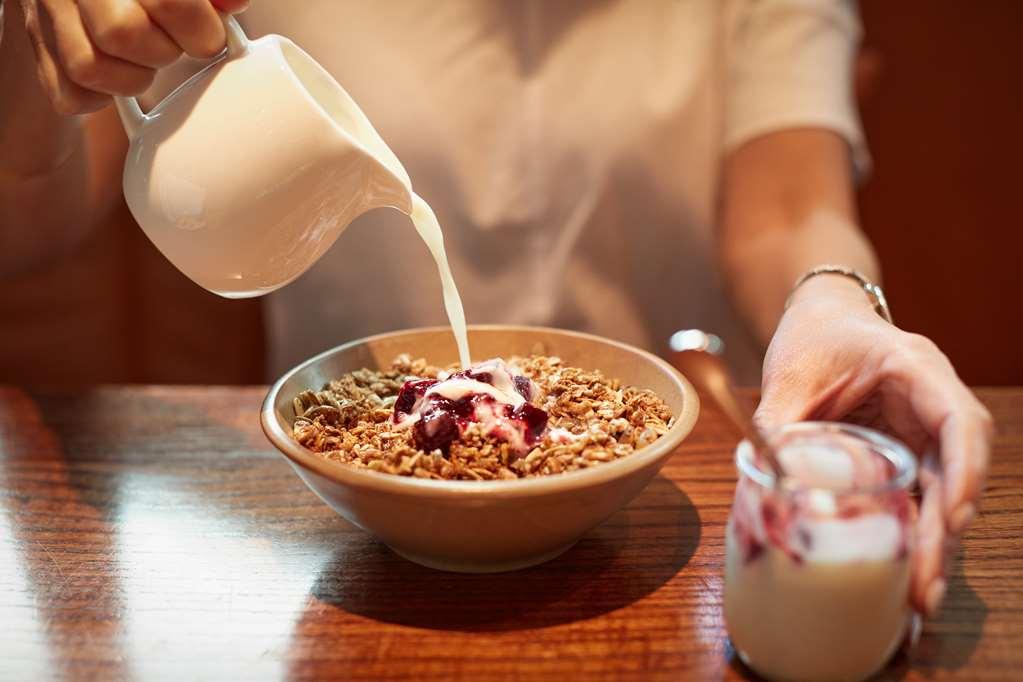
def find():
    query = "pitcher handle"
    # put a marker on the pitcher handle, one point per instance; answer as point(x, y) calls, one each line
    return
point(128, 108)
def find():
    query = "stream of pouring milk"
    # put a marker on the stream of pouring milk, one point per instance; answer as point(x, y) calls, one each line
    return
point(429, 229)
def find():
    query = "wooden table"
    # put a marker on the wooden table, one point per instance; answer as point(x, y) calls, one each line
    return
point(152, 533)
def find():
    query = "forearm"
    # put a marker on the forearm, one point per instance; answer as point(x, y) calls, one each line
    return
point(55, 170)
point(786, 207)
point(763, 268)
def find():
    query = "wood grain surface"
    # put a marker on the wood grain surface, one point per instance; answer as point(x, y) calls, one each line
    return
point(152, 533)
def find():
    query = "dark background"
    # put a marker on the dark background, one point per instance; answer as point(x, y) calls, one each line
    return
point(941, 94)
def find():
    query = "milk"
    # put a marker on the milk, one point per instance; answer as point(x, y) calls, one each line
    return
point(429, 230)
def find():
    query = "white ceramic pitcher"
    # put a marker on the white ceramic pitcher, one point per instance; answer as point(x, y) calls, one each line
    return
point(246, 174)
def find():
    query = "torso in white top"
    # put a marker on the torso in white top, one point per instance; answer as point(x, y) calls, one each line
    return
point(569, 149)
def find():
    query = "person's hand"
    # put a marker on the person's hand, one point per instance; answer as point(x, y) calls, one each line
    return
point(834, 358)
point(88, 50)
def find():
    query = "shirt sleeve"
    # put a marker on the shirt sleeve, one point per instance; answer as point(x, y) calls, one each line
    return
point(790, 65)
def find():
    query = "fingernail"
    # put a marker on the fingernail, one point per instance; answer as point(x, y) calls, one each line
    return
point(935, 593)
point(962, 517)
point(916, 627)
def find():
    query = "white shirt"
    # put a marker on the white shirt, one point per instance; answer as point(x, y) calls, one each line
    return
point(571, 151)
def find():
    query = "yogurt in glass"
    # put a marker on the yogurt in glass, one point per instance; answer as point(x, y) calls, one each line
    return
point(817, 566)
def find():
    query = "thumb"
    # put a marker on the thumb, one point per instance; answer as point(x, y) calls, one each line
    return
point(783, 400)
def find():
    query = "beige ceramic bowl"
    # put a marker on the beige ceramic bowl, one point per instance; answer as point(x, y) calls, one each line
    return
point(481, 526)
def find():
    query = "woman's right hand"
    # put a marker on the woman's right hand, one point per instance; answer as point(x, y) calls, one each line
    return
point(88, 50)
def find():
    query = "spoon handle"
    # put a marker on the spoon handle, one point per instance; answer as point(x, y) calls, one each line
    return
point(697, 356)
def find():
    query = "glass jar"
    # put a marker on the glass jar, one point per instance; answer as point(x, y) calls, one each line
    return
point(818, 565)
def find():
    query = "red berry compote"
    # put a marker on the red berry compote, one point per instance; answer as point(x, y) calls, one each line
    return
point(491, 394)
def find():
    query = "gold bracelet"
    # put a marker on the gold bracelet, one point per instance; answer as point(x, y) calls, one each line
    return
point(873, 291)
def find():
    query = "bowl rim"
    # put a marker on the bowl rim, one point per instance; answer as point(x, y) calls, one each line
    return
point(340, 473)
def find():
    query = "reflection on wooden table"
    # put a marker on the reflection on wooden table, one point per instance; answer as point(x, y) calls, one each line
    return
point(152, 533)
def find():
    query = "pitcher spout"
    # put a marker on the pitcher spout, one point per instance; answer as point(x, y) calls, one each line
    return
point(388, 189)
point(389, 182)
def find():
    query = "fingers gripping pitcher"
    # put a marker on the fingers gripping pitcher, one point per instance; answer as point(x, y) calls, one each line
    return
point(249, 171)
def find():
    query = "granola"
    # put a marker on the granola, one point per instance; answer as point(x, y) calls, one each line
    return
point(590, 419)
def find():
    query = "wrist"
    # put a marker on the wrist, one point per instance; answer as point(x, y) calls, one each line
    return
point(830, 286)
point(856, 293)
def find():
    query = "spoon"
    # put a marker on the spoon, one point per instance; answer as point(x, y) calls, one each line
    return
point(698, 356)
